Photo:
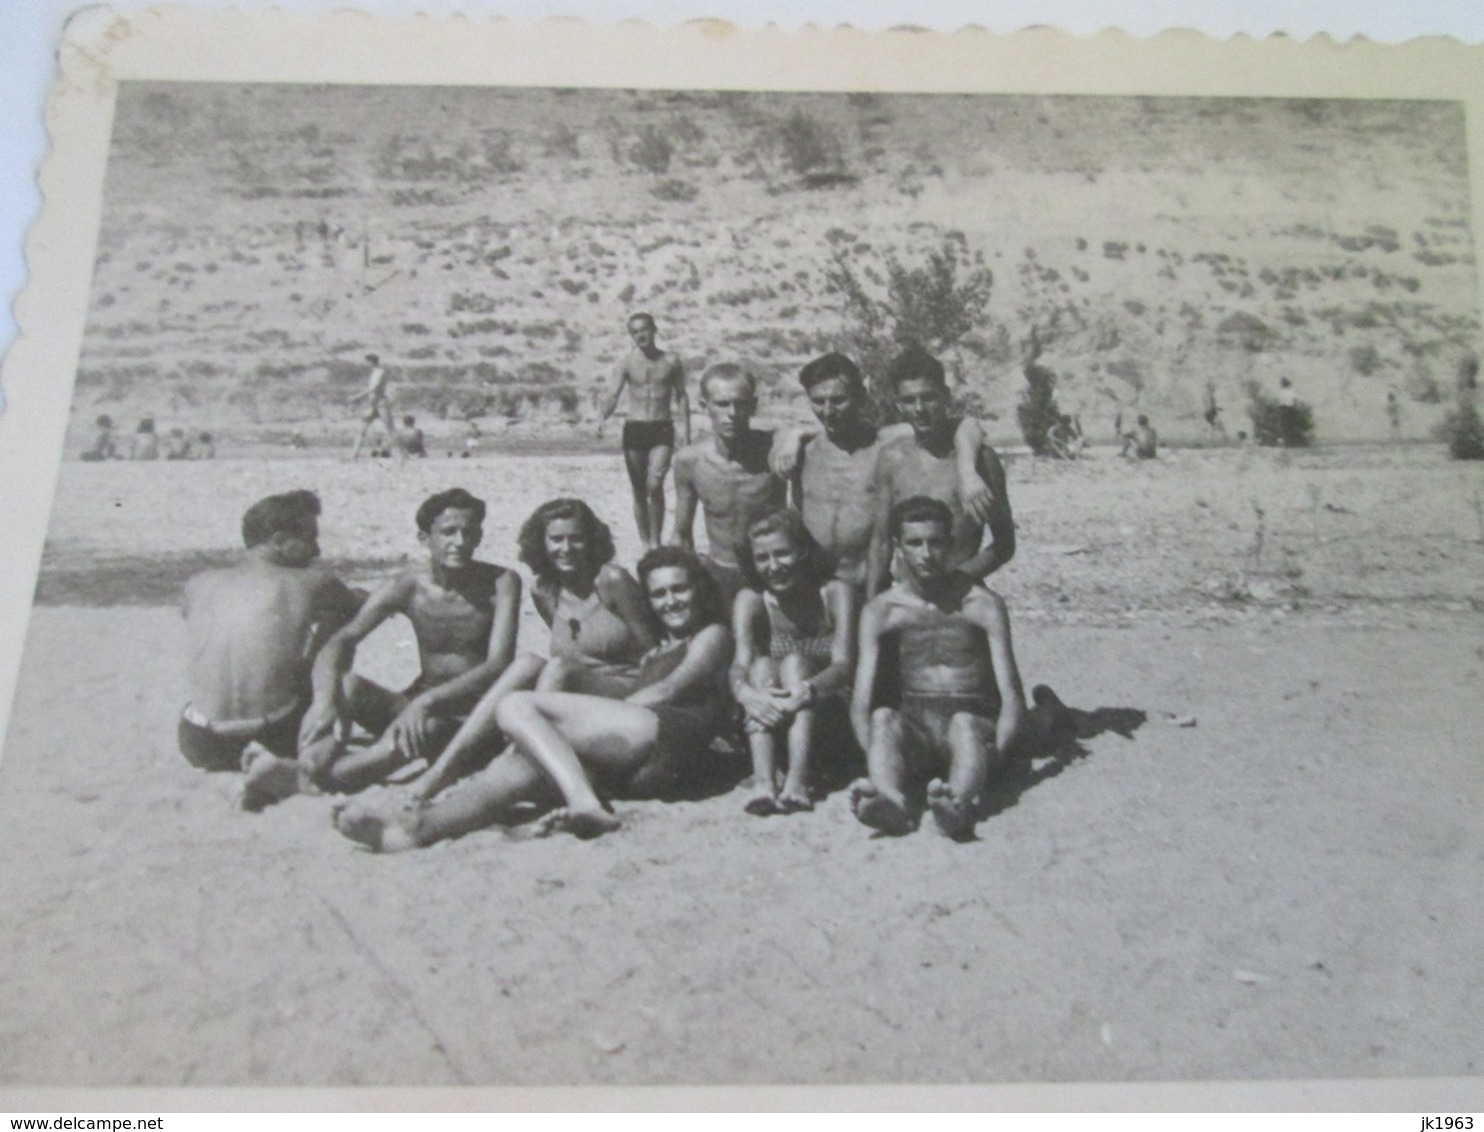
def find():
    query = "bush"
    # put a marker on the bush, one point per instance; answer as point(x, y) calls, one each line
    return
point(1463, 428)
point(674, 190)
point(1037, 410)
point(652, 151)
point(1279, 426)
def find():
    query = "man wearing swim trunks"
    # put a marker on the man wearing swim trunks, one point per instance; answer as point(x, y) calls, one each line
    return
point(252, 631)
point(937, 643)
point(655, 380)
point(728, 476)
point(378, 406)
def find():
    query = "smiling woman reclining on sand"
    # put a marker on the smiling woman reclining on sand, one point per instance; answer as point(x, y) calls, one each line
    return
point(571, 745)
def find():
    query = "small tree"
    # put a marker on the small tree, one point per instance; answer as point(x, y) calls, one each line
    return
point(1277, 425)
point(652, 151)
point(1463, 427)
point(1037, 410)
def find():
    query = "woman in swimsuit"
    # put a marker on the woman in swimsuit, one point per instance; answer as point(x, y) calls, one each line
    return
point(572, 746)
point(795, 627)
point(601, 626)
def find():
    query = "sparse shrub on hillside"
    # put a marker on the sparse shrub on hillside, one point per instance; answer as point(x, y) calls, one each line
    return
point(809, 148)
point(1463, 428)
point(652, 151)
point(499, 154)
point(674, 190)
point(1275, 425)
point(562, 141)
point(937, 304)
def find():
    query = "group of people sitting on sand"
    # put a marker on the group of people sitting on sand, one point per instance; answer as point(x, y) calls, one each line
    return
point(146, 443)
point(838, 614)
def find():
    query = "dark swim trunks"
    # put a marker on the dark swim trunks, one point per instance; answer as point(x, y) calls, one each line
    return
point(925, 717)
point(641, 436)
point(216, 746)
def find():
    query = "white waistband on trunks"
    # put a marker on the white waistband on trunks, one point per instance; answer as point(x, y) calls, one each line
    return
point(236, 728)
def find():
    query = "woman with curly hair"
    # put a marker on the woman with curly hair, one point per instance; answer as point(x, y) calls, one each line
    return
point(570, 747)
point(600, 627)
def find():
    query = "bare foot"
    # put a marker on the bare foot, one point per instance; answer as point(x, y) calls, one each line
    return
point(377, 830)
point(875, 809)
point(762, 804)
point(269, 779)
point(582, 824)
point(954, 817)
point(792, 801)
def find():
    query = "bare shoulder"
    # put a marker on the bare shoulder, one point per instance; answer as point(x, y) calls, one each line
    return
point(613, 579)
point(501, 579)
point(711, 641)
point(687, 458)
point(986, 606)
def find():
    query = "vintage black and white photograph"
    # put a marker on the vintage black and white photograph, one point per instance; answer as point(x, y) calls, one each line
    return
point(590, 584)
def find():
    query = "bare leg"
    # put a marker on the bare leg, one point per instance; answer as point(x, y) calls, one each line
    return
point(636, 460)
point(764, 747)
point(971, 747)
point(480, 731)
point(878, 801)
point(654, 490)
point(794, 797)
point(565, 734)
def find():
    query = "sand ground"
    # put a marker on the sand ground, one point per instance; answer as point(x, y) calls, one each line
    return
point(1288, 888)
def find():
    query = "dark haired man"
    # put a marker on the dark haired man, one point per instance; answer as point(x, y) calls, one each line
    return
point(941, 640)
point(926, 464)
point(251, 634)
point(464, 615)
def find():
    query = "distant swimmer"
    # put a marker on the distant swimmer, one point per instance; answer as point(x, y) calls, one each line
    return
point(1141, 442)
point(727, 475)
point(655, 380)
point(926, 463)
point(378, 405)
point(252, 632)
point(940, 642)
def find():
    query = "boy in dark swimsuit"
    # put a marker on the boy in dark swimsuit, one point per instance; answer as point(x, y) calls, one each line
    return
point(464, 614)
point(942, 640)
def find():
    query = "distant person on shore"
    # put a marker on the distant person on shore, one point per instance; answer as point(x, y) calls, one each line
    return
point(601, 628)
point(1141, 442)
point(105, 444)
point(378, 404)
point(940, 641)
point(145, 444)
point(472, 437)
point(1288, 414)
point(573, 750)
point(1394, 414)
point(1212, 414)
point(464, 615)
point(178, 447)
point(252, 632)
point(926, 464)
point(205, 447)
point(410, 439)
point(655, 380)
point(833, 467)
point(1064, 438)
point(795, 631)
point(727, 475)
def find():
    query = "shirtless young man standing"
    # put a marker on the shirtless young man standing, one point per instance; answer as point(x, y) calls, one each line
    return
point(925, 464)
point(834, 467)
point(942, 640)
point(378, 407)
point(252, 631)
point(656, 384)
point(464, 614)
point(728, 475)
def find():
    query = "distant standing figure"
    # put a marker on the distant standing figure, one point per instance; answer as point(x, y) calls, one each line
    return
point(655, 380)
point(1287, 412)
point(378, 404)
point(1142, 442)
point(178, 447)
point(471, 440)
point(205, 447)
point(411, 437)
point(146, 444)
point(1394, 414)
point(1213, 412)
point(105, 444)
